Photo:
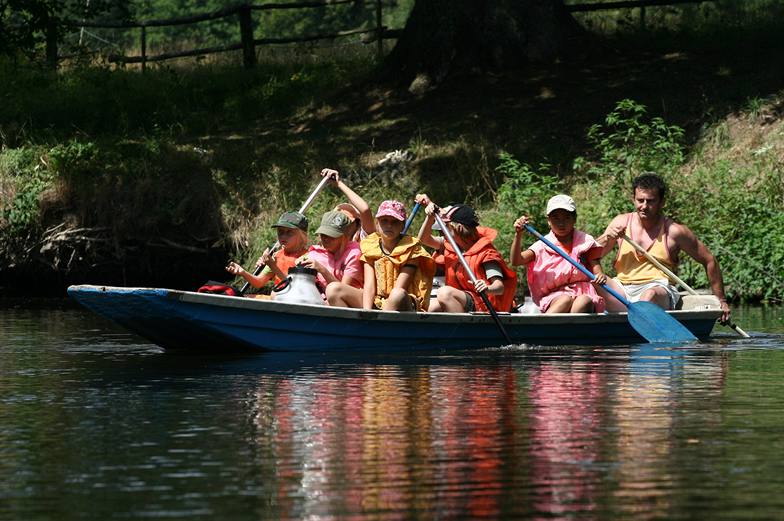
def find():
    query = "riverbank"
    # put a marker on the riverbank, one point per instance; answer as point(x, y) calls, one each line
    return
point(117, 178)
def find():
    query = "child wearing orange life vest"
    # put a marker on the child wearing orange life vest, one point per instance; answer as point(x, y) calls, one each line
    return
point(398, 269)
point(493, 275)
point(292, 230)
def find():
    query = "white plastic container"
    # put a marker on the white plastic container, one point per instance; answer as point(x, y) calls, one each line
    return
point(298, 288)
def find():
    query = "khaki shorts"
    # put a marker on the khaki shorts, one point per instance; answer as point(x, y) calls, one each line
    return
point(633, 292)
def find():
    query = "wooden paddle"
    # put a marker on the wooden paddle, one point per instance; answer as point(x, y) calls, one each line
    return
point(471, 275)
point(648, 319)
point(677, 279)
point(302, 209)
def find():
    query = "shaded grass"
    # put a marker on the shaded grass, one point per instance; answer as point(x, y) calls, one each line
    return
point(252, 142)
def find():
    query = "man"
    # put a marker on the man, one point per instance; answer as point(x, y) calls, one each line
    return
point(637, 278)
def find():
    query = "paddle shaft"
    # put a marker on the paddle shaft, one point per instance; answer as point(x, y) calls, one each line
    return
point(411, 218)
point(471, 275)
point(674, 277)
point(302, 209)
point(576, 264)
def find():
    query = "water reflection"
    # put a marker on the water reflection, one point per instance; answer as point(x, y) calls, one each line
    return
point(638, 432)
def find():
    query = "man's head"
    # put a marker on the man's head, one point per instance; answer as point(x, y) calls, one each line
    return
point(650, 181)
point(648, 191)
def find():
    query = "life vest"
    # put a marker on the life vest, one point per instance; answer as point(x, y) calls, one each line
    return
point(284, 260)
point(387, 267)
point(481, 252)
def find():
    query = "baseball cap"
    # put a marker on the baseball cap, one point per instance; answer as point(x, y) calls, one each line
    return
point(349, 209)
point(292, 220)
point(392, 208)
point(560, 202)
point(333, 224)
point(461, 214)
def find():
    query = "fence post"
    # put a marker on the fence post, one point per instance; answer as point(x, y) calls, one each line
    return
point(246, 34)
point(51, 43)
point(144, 48)
point(379, 32)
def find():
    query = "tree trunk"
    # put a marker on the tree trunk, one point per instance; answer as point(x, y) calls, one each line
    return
point(443, 37)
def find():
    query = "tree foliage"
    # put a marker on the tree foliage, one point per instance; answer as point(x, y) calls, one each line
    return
point(25, 24)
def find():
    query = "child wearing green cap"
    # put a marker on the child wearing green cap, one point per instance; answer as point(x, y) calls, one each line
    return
point(292, 230)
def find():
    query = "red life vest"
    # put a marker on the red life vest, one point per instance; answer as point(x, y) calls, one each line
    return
point(481, 252)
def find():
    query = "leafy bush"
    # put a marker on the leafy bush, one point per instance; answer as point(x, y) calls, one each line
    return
point(734, 205)
point(627, 144)
point(24, 176)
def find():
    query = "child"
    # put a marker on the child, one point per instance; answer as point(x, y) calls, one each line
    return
point(340, 272)
point(494, 276)
point(292, 228)
point(356, 209)
point(398, 269)
point(556, 286)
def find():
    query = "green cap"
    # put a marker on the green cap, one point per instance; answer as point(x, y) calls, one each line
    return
point(292, 220)
point(333, 224)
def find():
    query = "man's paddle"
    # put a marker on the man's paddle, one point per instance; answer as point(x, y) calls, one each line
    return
point(648, 319)
point(302, 209)
point(677, 279)
point(471, 275)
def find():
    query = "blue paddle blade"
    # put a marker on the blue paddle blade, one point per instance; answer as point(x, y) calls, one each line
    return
point(655, 325)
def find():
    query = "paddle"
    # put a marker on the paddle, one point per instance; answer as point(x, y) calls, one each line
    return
point(302, 209)
point(677, 279)
point(648, 319)
point(471, 275)
point(410, 218)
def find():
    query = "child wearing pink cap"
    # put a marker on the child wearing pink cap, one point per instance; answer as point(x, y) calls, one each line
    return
point(398, 270)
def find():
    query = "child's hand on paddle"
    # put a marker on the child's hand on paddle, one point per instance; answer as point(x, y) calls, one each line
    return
point(520, 223)
point(480, 286)
point(333, 175)
point(422, 199)
point(266, 259)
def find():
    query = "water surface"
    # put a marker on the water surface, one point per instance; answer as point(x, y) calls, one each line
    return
point(96, 423)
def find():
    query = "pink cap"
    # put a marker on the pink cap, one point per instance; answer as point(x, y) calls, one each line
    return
point(393, 209)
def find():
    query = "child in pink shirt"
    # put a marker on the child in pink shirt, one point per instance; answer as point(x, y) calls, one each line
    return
point(555, 285)
point(336, 259)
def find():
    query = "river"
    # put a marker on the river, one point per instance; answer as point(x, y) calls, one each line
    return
point(96, 423)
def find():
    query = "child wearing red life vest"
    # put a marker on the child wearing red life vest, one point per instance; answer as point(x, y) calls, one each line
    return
point(493, 275)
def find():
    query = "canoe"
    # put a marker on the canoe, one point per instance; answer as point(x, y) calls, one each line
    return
point(176, 319)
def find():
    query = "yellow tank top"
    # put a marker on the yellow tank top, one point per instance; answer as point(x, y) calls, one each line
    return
point(633, 268)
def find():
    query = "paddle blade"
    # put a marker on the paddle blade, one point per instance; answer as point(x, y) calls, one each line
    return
point(655, 325)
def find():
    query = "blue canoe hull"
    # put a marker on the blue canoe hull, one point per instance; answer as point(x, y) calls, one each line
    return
point(187, 320)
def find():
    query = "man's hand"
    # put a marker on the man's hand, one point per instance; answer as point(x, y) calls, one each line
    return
point(724, 319)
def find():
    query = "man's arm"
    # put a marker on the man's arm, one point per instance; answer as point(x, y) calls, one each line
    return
point(688, 242)
point(609, 238)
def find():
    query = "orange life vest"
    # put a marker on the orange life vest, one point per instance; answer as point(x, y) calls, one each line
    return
point(481, 252)
point(387, 267)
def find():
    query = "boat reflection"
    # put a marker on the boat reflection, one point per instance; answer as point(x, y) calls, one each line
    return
point(544, 435)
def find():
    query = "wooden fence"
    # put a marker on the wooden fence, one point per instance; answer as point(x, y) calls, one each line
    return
point(248, 42)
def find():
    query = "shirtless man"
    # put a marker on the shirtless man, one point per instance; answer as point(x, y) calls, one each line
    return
point(664, 239)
